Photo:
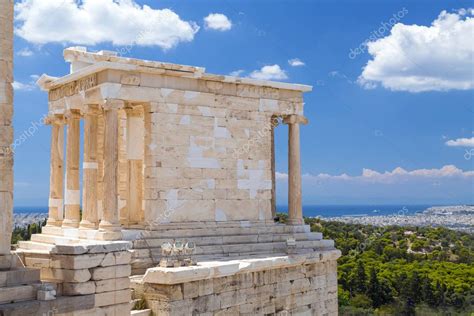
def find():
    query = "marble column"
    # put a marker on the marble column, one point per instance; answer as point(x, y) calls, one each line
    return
point(6, 131)
point(273, 166)
point(72, 195)
point(90, 166)
point(109, 226)
point(295, 208)
point(56, 179)
point(135, 152)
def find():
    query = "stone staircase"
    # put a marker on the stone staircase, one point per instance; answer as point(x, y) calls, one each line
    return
point(223, 241)
point(214, 241)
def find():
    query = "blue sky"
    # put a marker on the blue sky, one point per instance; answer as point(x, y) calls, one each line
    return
point(393, 105)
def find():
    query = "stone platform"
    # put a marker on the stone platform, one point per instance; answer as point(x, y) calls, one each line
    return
point(213, 240)
point(284, 285)
point(95, 273)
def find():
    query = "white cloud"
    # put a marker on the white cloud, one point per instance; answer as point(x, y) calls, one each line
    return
point(418, 58)
point(237, 73)
point(218, 21)
point(338, 74)
point(396, 175)
point(30, 86)
point(90, 22)
point(273, 72)
point(19, 86)
point(461, 142)
point(25, 52)
point(281, 176)
point(296, 62)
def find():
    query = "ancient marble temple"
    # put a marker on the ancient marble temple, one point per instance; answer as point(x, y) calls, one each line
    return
point(165, 143)
point(171, 153)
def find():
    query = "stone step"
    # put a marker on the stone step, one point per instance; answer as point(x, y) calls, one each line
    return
point(18, 293)
point(143, 312)
point(249, 248)
point(54, 240)
point(22, 276)
point(225, 240)
point(228, 231)
point(31, 245)
point(221, 240)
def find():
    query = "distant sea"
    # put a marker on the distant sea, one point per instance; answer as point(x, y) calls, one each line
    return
point(311, 210)
point(358, 210)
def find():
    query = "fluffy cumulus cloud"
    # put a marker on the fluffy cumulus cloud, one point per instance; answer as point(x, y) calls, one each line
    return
point(90, 22)
point(419, 58)
point(396, 175)
point(447, 184)
point(296, 62)
point(461, 142)
point(273, 72)
point(217, 21)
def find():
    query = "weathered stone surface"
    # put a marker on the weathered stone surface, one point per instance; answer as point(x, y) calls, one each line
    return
point(17, 293)
point(112, 285)
point(65, 275)
point(19, 276)
point(62, 306)
point(76, 262)
point(291, 290)
point(71, 289)
point(112, 298)
point(112, 272)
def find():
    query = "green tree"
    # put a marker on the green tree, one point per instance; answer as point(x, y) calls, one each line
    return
point(374, 290)
point(360, 280)
point(415, 287)
point(427, 292)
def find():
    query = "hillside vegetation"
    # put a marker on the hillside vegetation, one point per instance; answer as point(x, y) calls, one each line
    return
point(402, 270)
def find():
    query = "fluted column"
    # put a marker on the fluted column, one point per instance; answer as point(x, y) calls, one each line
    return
point(109, 225)
point(73, 195)
point(6, 130)
point(135, 151)
point(295, 208)
point(90, 166)
point(56, 179)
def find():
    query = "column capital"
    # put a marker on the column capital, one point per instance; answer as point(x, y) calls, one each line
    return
point(113, 104)
point(55, 119)
point(90, 109)
point(295, 119)
point(72, 114)
point(134, 111)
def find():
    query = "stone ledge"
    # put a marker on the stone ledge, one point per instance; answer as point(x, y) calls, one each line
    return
point(215, 269)
point(58, 306)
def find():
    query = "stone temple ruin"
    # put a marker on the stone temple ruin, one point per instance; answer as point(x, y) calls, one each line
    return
point(170, 154)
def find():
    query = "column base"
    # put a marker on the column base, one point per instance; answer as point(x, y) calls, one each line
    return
point(109, 231)
point(70, 223)
point(108, 235)
point(87, 225)
point(295, 221)
point(54, 222)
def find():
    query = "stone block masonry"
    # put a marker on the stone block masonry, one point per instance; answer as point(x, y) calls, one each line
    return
point(303, 289)
point(97, 270)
